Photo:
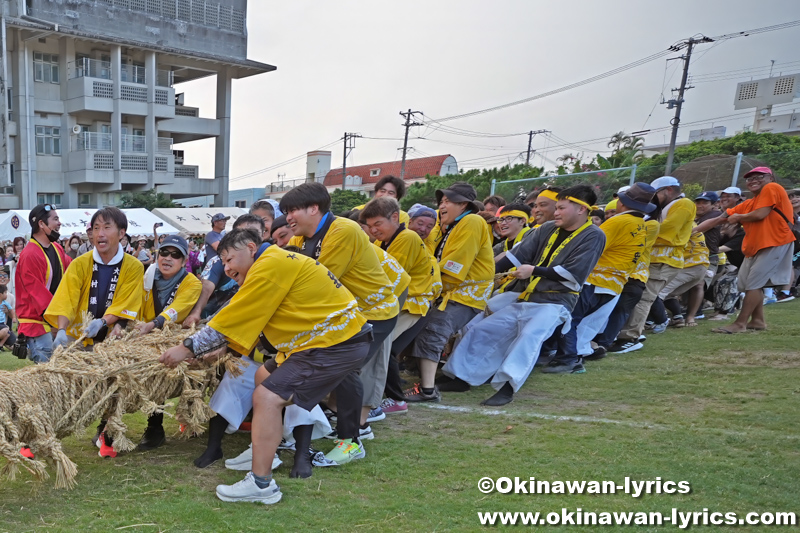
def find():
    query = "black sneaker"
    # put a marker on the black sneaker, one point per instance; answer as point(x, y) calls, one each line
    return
point(625, 346)
point(556, 367)
point(596, 355)
point(783, 297)
point(416, 394)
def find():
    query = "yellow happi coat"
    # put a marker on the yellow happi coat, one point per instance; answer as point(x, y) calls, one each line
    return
point(74, 289)
point(297, 304)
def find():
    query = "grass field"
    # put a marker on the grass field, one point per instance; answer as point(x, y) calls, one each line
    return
point(718, 411)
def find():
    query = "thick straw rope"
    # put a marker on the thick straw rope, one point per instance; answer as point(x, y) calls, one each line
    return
point(44, 403)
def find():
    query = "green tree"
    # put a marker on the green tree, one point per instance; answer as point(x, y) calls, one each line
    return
point(425, 192)
point(148, 199)
point(345, 200)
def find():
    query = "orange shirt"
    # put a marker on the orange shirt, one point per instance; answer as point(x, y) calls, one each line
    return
point(772, 230)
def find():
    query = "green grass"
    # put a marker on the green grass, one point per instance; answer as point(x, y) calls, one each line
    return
point(718, 411)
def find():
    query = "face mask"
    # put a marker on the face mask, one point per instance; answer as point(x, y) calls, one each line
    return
point(54, 236)
point(74, 246)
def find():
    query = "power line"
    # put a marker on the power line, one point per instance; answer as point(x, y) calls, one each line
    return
point(281, 164)
point(674, 48)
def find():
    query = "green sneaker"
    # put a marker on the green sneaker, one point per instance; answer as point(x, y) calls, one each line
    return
point(346, 451)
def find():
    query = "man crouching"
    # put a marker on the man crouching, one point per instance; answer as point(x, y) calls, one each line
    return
point(307, 315)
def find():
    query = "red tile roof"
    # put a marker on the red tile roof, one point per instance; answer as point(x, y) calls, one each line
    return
point(415, 169)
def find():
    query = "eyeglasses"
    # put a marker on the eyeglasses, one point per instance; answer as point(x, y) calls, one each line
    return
point(503, 220)
point(758, 177)
point(165, 252)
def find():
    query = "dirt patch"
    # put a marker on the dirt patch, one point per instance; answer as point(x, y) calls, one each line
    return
point(748, 358)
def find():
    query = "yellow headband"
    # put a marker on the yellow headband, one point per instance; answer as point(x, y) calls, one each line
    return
point(611, 205)
point(513, 213)
point(552, 195)
point(577, 201)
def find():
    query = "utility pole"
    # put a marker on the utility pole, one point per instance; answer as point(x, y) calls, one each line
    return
point(530, 140)
point(678, 104)
point(349, 144)
point(409, 122)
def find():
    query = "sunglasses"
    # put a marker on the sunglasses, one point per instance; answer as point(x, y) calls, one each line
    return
point(758, 177)
point(165, 252)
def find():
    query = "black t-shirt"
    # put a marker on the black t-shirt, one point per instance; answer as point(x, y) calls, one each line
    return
point(713, 235)
point(55, 267)
point(561, 236)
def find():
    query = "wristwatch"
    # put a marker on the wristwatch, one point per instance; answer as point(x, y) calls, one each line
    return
point(189, 343)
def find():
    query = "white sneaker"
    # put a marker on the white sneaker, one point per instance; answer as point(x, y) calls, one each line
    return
point(366, 433)
point(244, 461)
point(246, 490)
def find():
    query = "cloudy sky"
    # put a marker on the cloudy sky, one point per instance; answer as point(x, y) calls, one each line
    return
point(353, 65)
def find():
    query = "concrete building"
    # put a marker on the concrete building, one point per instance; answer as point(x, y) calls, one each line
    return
point(88, 103)
point(244, 198)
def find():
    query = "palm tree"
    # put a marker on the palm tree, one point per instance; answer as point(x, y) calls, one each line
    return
point(618, 140)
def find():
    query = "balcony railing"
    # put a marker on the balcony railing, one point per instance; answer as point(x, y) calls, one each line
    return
point(103, 142)
point(95, 68)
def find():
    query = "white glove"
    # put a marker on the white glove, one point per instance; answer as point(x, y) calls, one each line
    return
point(94, 327)
point(61, 339)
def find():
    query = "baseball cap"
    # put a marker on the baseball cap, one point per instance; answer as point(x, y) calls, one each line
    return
point(665, 181)
point(711, 196)
point(759, 170)
point(178, 242)
point(732, 190)
point(419, 210)
point(218, 217)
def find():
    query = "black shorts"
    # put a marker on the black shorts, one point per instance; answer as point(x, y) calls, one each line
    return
point(307, 377)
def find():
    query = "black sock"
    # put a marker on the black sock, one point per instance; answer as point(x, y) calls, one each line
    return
point(156, 421)
point(302, 459)
point(426, 390)
point(216, 430)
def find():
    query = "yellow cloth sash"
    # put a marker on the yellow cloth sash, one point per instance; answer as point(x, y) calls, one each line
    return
point(49, 274)
point(550, 242)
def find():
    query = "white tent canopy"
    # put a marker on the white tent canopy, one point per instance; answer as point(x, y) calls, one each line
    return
point(140, 222)
point(197, 220)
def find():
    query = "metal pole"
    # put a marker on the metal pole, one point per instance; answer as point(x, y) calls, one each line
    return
point(633, 174)
point(528, 157)
point(407, 125)
point(344, 162)
point(735, 178)
point(677, 119)
point(491, 191)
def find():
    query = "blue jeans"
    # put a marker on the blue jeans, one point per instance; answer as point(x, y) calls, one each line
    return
point(40, 348)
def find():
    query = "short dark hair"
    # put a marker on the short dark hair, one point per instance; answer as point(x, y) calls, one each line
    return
point(495, 199)
point(598, 213)
point(305, 195)
point(399, 185)
point(111, 214)
point(581, 192)
point(515, 207)
point(379, 207)
point(265, 205)
point(238, 238)
point(533, 195)
point(39, 212)
point(249, 218)
point(292, 248)
point(353, 215)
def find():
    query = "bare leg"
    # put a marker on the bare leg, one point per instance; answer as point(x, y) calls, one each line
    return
point(753, 305)
point(267, 429)
point(427, 373)
point(695, 301)
point(757, 321)
point(364, 412)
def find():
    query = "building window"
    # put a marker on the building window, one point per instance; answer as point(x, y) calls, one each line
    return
point(374, 172)
point(45, 68)
point(85, 200)
point(10, 104)
point(241, 203)
point(48, 140)
point(11, 174)
point(54, 199)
